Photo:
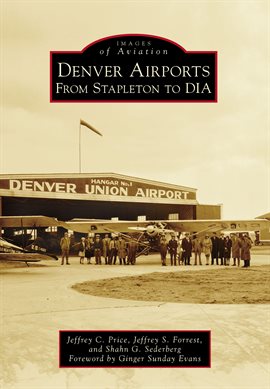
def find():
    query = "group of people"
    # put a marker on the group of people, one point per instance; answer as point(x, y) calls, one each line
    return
point(221, 249)
point(110, 249)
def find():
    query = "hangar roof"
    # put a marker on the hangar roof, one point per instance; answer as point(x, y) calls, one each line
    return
point(86, 175)
point(265, 216)
point(95, 186)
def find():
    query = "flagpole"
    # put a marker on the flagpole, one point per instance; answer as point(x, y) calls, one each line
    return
point(80, 152)
point(84, 123)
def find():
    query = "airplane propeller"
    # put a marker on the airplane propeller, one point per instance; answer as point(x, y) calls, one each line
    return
point(153, 229)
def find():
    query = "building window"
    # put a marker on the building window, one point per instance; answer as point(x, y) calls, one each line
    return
point(22, 232)
point(173, 216)
point(141, 218)
point(51, 229)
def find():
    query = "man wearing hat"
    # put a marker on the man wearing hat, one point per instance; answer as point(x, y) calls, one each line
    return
point(221, 249)
point(172, 246)
point(112, 251)
point(187, 249)
point(65, 246)
point(207, 247)
point(163, 249)
point(236, 246)
point(197, 249)
point(246, 245)
point(106, 248)
point(97, 249)
point(214, 251)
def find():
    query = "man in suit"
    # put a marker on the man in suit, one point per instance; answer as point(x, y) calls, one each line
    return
point(98, 249)
point(65, 246)
point(172, 246)
point(214, 251)
point(187, 249)
point(197, 249)
point(221, 249)
point(106, 248)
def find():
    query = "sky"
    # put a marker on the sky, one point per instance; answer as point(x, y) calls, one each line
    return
point(222, 149)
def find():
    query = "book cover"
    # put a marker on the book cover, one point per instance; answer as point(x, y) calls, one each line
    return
point(192, 130)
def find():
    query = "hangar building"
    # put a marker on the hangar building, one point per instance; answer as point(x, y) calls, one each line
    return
point(99, 196)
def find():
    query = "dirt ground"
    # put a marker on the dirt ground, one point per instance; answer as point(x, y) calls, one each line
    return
point(216, 286)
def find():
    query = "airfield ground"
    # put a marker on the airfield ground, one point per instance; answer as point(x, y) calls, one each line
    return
point(216, 286)
point(39, 300)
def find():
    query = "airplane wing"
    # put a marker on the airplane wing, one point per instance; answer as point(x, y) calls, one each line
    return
point(103, 226)
point(106, 226)
point(219, 225)
point(29, 222)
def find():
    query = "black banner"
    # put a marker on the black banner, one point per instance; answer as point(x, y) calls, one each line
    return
point(134, 68)
point(134, 348)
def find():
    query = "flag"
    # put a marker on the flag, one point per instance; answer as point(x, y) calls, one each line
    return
point(83, 123)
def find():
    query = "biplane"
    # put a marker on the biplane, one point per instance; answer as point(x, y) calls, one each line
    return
point(11, 252)
point(31, 253)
